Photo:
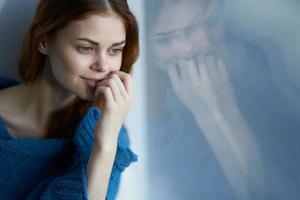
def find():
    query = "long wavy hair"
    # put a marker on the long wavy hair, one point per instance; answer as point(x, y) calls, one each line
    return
point(52, 16)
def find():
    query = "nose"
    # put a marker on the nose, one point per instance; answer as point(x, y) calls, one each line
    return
point(100, 63)
point(184, 47)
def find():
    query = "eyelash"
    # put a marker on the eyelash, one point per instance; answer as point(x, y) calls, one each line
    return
point(117, 51)
point(84, 50)
point(89, 50)
point(163, 41)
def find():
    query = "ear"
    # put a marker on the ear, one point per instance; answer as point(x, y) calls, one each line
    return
point(43, 46)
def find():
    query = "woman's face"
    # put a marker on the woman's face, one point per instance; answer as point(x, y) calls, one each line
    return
point(183, 29)
point(85, 52)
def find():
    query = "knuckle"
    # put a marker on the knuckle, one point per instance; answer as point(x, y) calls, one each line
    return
point(111, 81)
point(127, 76)
point(106, 89)
point(114, 76)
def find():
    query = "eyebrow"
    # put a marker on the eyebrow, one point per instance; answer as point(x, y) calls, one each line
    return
point(97, 44)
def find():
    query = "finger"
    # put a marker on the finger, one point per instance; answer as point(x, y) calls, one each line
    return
point(188, 70)
point(182, 65)
point(222, 69)
point(99, 91)
point(111, 83)
point(196, 60)
point(201, 66)
point(121, 86)
point(107, 93)
point(127, 82)
point(173, 74)
point(192, 71)
point(211, 66)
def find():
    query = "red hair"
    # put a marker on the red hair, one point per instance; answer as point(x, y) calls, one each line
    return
point(52, 16)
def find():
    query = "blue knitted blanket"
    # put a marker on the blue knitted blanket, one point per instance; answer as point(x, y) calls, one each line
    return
point(55, 168)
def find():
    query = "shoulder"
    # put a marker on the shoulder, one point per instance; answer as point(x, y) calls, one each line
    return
point(9, 101)
point(9, 90)
point(8, 98)
point(5, 102)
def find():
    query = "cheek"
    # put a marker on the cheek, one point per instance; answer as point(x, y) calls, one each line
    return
point(200, 39)
point(115, 63)
point(162, 53)
point(205, 39)
point(70, 62)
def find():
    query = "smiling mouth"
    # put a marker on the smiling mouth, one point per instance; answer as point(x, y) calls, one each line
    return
point(91, 82)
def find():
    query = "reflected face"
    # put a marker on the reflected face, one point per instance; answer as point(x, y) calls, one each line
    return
point(85, 52)
point(184, 29)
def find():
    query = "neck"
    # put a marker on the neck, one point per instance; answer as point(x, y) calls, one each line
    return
point(42, 97)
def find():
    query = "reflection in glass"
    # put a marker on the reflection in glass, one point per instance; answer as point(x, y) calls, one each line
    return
point(215, 105)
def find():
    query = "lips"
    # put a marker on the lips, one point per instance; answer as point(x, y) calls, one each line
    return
point(91, 82)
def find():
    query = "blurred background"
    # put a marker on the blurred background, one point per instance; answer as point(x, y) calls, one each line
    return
point(216, 113)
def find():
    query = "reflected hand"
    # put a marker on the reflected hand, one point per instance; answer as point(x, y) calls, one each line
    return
point(202, 83)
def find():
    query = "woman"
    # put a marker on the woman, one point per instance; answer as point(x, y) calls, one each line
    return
point(75, 66)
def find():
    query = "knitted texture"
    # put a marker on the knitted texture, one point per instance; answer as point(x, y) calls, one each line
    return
point(55, 168)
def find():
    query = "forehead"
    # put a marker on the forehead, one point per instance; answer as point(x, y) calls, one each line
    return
point(178, 14)
point(101, 28)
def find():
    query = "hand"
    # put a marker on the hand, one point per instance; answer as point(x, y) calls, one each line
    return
point(118, 98)
point(202, 83)
point(204, 87)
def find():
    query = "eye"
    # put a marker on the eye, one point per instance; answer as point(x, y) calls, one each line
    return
point(86, 50)
point(162, 40)
point(116, 51)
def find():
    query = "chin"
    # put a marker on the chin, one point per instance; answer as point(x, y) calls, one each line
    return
point(86, 98)
point(85, 95)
